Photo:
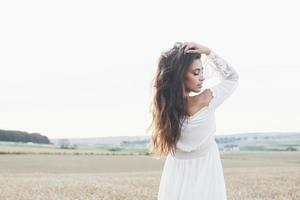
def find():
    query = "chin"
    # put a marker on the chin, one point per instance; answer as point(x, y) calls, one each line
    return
point(197, 90)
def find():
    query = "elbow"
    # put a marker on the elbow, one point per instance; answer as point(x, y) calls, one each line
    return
point(232, 74)
point(233, 77)
point(237, 77)
point(236, 80)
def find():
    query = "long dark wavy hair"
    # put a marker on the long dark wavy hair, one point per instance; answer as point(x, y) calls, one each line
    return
point(169, 99)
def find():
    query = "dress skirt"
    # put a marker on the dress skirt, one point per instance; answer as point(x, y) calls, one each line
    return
point(199, 178)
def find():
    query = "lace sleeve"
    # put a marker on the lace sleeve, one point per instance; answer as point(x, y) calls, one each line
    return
point(228, 76)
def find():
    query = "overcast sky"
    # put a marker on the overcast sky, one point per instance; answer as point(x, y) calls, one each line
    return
point(84, 68)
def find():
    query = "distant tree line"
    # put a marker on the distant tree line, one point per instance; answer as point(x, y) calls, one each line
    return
point(21, 136)
point(65, 144)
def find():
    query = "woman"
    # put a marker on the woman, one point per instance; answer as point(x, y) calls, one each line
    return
point(183, 126)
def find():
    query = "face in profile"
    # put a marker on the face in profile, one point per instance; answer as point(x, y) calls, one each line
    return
point(194, 77)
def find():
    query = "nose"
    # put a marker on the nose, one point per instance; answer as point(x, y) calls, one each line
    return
point(202, 78)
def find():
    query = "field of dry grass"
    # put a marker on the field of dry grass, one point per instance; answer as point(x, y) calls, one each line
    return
point(252, 175)
point(50, 149)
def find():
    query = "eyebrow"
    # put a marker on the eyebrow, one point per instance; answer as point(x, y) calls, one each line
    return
point(198, 68)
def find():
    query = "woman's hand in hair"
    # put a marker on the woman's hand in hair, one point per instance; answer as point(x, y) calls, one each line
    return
point(192, 47)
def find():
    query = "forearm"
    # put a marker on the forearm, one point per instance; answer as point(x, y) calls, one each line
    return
point(226, 70)
point(229, 80)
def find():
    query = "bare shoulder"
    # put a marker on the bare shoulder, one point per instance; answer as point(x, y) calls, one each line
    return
point(204, 97)
point(208, 94)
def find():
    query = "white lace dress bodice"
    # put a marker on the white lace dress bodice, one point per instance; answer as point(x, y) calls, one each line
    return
point(197, 132)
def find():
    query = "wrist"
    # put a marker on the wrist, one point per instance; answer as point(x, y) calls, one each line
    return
point(207, 51)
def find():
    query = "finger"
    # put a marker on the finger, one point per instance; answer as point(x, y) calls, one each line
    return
point(184, 45)
point(186, 48)
point(190, 51)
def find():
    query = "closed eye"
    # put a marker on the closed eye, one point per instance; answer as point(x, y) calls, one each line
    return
point(198, 73)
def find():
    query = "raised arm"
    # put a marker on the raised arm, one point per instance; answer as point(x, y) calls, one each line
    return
point(229, 80)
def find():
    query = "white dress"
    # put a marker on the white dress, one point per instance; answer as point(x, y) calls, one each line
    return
point(195, 171)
